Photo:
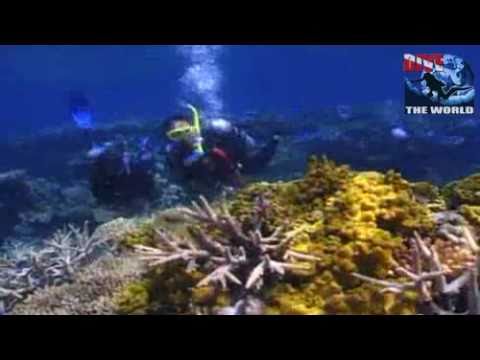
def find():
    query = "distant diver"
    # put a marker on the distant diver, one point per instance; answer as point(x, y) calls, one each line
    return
point(436, 85)
point(120, 169)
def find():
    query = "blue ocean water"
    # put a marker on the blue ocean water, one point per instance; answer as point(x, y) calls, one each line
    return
point(145, 81)
point(86, 161)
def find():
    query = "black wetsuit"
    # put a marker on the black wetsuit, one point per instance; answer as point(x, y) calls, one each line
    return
point(112, 181)
point(238, 146)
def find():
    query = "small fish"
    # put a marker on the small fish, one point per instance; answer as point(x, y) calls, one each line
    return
point(400, 133)
point(98, 150)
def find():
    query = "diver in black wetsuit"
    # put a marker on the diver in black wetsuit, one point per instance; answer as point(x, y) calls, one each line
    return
point(436, 85)
point(214, 151)
point(120, 170)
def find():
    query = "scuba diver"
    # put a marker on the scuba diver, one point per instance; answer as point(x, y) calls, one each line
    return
point(120, 170)
point(213, 151)
point(436, 85)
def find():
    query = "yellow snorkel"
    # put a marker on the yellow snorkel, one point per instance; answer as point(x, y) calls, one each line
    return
point(184, 132)
point(196, 119)
point(196, 127)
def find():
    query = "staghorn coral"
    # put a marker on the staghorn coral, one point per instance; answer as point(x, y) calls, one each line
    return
point(352, 223)
point(92, 292)
point(236, 260)
point(56, 262)
point(456, 229)
point(354, 227)
point(433, 278)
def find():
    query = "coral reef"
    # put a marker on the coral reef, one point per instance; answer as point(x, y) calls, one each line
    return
point(336, 241)
point(143, 235)
point(92, 292)
point(233, 260)
point(165, 290)
point(291, 248)
point(54, 263)
point(117, 230)
point(431, 273)
point(36, 207)
point(50, 207)
point(463, 192)
point(429, 195)
point(471, 213)
point(15, 197)
point(133, 298)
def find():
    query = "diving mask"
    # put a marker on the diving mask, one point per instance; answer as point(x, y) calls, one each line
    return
point(181, 133)
point(186, 130)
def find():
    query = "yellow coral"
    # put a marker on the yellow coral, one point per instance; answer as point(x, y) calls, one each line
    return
point(372, 202)
point(362, 223)
point(465, 191)
point(143, 235)
point(351, 221)
point(471, 214)
point(429, 195)
point(133, 298)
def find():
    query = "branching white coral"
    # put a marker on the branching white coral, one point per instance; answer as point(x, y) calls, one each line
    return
point(433, 282)
point(235, 257)
point(55, 263)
